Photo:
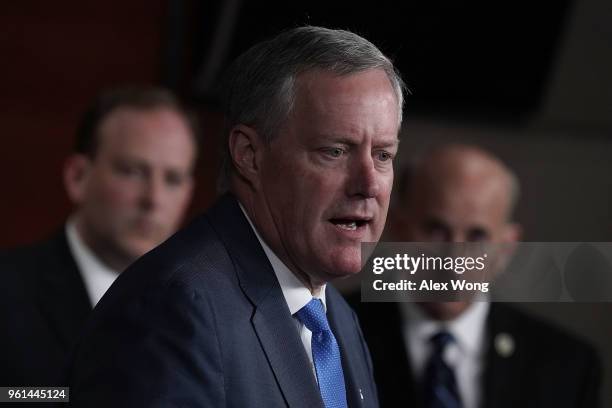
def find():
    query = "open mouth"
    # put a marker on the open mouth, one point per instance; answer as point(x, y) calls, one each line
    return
point(348, 224)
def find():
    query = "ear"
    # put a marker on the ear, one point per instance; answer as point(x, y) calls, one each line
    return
point(245, 145)
point(512, 233)
point(76, 173)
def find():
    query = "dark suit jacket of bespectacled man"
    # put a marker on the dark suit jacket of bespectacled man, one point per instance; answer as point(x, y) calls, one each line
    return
point(207, 319)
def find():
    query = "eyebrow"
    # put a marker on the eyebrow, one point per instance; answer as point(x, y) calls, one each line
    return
point(351, 142)
point(393, 143)
point(140, 162)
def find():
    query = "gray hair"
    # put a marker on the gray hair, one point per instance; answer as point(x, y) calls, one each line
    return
point(259, 90)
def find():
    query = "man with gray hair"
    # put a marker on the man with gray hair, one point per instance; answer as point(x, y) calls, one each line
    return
point(236, 310)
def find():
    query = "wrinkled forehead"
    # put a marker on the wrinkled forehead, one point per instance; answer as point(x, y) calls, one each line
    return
point(484, 202)
point(308, 86)
point(159, 135)
point(360, 102)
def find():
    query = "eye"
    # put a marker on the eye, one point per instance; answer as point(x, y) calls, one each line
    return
point(334, 152)
point(384, 156)
point(477, 235)
point(128, 170)
point(436, 231)
point(174, 179)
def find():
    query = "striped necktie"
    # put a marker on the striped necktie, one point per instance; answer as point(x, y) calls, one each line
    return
point(439, 383)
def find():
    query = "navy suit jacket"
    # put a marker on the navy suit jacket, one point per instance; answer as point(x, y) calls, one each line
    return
point(43, 307)
point(201, 321)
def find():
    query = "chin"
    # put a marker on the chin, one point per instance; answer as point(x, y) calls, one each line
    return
point(445, 310)
point(346, 262)
point(138, 249)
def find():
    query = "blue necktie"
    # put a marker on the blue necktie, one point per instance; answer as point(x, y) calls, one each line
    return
point(440, 386)
point(325, 354)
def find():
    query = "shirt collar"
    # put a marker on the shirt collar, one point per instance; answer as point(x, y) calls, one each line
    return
point(468, 329)
point(96, 275)
point(296, 294)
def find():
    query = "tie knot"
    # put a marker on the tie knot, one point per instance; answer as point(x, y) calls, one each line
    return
point(313, 316)
point(440, 340)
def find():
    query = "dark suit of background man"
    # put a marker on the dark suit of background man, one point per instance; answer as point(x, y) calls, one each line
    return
point(130, 180)
point(236, 310)
point(497, 356)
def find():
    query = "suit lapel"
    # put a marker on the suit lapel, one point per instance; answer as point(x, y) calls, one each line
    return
point(506, 371)
point(342, 327)
point(60, 291)
point(272, 321)
point(393, 366)
point(285, 352)
point(505, 377)
point(382, 328)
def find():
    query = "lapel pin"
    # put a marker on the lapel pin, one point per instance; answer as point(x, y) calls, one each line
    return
point(360, 394)
point(504, 344)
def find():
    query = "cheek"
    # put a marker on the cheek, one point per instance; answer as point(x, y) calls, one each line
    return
point(386, 188)
point(115, 194)
point(384, 196)
point(322, 187)
point(176, 204)
point(318, 197)
point(299, 209)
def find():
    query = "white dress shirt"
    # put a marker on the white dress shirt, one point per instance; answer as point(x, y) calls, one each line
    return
point(296, 294)
point(465, 355)
point(96, 275)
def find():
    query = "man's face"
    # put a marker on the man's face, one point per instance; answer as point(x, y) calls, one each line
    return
point(456, 209)
point(327, 176)
point(134, 192)
point(463, 211)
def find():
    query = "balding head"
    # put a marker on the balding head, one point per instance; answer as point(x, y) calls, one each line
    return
point(455, 193)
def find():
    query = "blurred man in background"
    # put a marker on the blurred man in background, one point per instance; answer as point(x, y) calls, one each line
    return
point(130, 180)
point(469, 354)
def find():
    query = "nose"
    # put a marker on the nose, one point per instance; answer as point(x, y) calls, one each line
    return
point(457, 237)
point(364, 178)
point(152, 192)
